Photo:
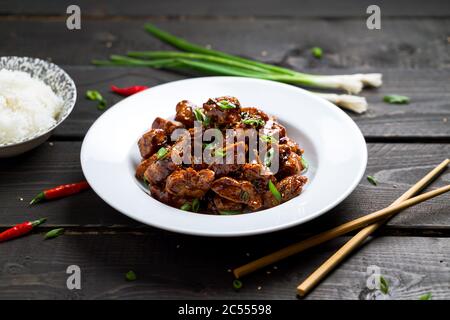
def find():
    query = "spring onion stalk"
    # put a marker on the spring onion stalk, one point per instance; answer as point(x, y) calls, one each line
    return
point(350, 102)
point(354, 103)
point(350, 83)
point(195, 56)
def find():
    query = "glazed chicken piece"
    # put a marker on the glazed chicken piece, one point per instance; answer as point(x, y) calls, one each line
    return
point(189, 183)
point(258, 175)
point(223, 110)
point(254, 113)
point(166, 125)
point(290, 162)
point(151, 141)
point(222, 168)
point(160, 194)
point(273, 128)
point(142, 167)
point(185, 113)
point(160, 169)
point(292, 145)
point(237, 191)
point(222, 204)
point(289, 188)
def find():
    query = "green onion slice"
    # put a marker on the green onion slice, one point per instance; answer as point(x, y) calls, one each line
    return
point(254, 122)
point(372, 180)
point(244, 196)
point(220, 152)
point(396, 99)
point(94, 95)
point(305, 164)
point(195, 205)
point(268, 157)
point(229, 212)
point(268, 139)
point(274, 191)
point(130, 275)
point(237, 284)
point(162, 152)
point(186, 207)
point(225, 104)
point(317, 52)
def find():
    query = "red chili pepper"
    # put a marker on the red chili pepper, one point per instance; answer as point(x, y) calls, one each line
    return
point(61, 191)
point(20, 229)
point(128, 91)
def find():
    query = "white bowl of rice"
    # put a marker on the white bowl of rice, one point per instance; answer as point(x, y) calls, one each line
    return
point(35, 97)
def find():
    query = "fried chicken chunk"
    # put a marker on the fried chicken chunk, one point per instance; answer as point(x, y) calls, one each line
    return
point(190, 183)
point(237, 191)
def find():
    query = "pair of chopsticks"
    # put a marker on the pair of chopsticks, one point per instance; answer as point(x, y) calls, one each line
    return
point(371, 222)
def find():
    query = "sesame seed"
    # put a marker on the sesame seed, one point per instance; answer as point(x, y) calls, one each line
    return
point(264, 53)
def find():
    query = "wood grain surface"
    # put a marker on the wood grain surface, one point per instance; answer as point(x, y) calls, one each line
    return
point(404, 143)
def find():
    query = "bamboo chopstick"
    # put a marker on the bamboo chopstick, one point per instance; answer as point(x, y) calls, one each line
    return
point(330, 234)
point(356, 240)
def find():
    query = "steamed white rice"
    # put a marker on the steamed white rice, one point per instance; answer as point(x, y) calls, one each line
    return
point(27, 106)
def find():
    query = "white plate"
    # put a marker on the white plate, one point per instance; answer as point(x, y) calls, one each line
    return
point(334, 148)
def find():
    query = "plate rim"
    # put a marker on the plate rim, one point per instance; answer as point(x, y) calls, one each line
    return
point(254, 231)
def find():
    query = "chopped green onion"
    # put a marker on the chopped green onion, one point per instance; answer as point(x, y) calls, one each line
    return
point(220, 152)
point(396, 99)
point(237, 284)
point(130, 276)
point(274, 191)
point(305, 164)
point(317, 52)
point(256, 122)
point(229, 212)
point(54, 233)
point(161, 153)
point(199, 115)
point(372, 180)
point(195, 205)
point(146, 181)
point(94, 95)
point(384, 285)
point(268, 157)
point(186, 207)
point(268, 139)
point(101, 105)
point(225, 104)
point(244, 196)
point(426, 296)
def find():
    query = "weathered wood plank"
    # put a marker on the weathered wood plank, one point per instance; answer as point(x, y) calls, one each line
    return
point(395, 166)
point(406, 43)
point(233, 8)
point(426, 116)
point(36, 269)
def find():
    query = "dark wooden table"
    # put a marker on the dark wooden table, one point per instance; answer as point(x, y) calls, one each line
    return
point(404, 142)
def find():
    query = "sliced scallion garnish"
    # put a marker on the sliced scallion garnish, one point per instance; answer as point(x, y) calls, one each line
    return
point(195, 205)
point(225, 104)
point(268, 139)
point(161, 153)
point(274, 190)
point(254, 122)
point(186, 207)
point(229, 212)
point(305, 164)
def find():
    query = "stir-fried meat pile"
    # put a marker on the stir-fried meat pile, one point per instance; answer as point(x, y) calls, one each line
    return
point(175, 174)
